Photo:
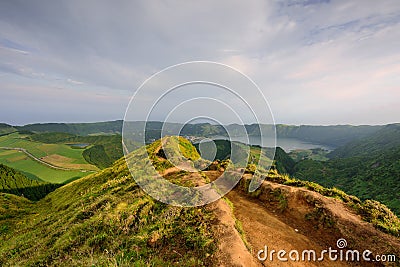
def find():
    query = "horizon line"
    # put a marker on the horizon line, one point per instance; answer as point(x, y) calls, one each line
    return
point(287, 124)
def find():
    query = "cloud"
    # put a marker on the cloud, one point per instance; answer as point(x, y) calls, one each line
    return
point(74, 82)
point(316, 61)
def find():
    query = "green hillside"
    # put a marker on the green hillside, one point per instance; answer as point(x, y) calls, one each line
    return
point(6, 129)
point(368, 168)
point(14, 182)
point(282, 161)
point(108, 127)
point(385, 139)
point(55, 163)
point(334, 135)
point(106, 219)
point(102, 150)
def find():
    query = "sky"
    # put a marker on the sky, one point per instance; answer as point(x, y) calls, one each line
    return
point(316, 61)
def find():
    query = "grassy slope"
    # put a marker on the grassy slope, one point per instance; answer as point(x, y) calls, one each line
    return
point(385, 139)
point(36, 170)
point(106, 219)
point(368, 178)
point(368, 168)
point(104, 149)
point(39, 149)
point(14, 182)
point(6, 129)
point(70, 158)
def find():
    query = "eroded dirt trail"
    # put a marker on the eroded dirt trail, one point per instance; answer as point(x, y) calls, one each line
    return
point(266, 224)
point(263, 228)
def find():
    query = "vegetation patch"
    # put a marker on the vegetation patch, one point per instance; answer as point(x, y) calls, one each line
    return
point(106, 219)
point(14, 182)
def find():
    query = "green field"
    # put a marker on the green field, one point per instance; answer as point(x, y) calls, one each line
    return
point(318, 154)
point(40, 149)
point(60, 155)
point(34, 170)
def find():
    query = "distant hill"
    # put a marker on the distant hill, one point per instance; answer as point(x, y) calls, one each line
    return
point(14, 182)
point(334, 135)
point(368, 168)
point(388, 137)
point(108, 127)
point(282, 161)
point(6, 129)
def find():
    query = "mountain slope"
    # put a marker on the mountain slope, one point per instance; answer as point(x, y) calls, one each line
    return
point(387, 138)
point(6, 129)
point(107, 127)
point(106, 219)
point(333, 135)
point(14, 182)
point(295, 218)
point(366, 177)
point(282, 161)
point(95, 222)
point(368, 168)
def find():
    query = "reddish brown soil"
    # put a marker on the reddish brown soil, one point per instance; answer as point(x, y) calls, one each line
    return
point(289, 225)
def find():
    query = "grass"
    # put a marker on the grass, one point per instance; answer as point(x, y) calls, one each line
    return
point(318, 154)
point(106, 219)
point(238, 225)
point(34, 170)
point(56, 154)
point(42, 150)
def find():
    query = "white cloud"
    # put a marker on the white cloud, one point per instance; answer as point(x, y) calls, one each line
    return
point(316, 61)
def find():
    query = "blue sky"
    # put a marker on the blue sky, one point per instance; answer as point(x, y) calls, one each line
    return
point(317, 62)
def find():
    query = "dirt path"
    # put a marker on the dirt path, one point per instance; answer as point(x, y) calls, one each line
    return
point(264, 228)
point(268, 228)
point(231, 249)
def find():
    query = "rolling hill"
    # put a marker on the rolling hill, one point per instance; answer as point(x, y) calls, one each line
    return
point(333, 135)
point(6, 129)
point(14, 182)
point(100, 150)
point(55, 163)
point(368, 168)
point(108, 127)
point(106, 219)
point(385, 139)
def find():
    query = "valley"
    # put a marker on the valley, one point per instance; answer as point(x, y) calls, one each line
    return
point(55, 163)
point(105, 218)
point(96, 206)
